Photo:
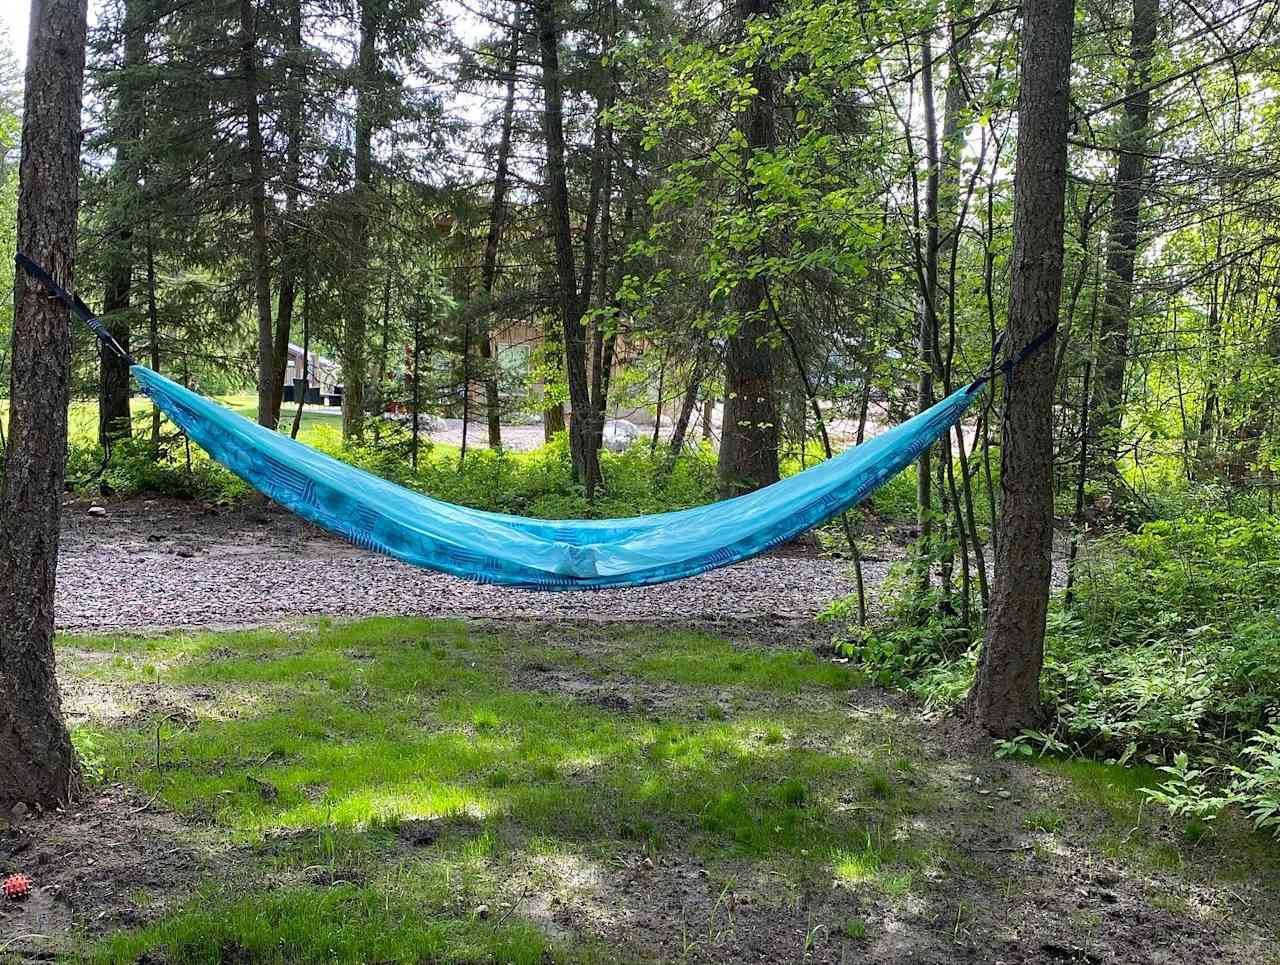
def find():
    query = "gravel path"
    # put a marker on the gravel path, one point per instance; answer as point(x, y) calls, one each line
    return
point(162, 563)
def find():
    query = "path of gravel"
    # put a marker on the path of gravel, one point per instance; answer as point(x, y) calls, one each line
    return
point(169, 564)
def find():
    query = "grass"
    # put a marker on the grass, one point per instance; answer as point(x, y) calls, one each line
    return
point(1130, 836)
point(82, 417)
point(344, 733)
point(313, 757)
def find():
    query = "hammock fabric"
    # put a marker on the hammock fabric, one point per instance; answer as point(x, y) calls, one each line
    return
point(530, 553)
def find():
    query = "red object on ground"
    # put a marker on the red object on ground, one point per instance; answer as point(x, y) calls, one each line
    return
point(17, 886)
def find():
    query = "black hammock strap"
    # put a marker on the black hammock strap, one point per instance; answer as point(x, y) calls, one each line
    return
point(73, 302)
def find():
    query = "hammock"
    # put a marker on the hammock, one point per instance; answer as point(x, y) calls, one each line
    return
point(535, 554)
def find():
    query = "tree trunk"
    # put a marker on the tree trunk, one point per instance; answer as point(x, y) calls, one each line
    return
point(37, 762)
point(497, 217)
point(115, 418)
point(153, 333)
point(1122, 241)
point(114, 389)
point(586, 461)
point(749, 436)
point(355, 360)
point(688, 403)
point(289, 231)
point(257, 212)
point(1005, 696)
point(306, 352)
point(926, 312)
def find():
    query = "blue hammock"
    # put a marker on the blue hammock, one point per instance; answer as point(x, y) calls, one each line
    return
point(531, 553)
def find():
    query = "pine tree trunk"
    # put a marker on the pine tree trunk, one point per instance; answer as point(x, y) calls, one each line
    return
point(288, 234)
point(497, 217)
point(1005, 696)
point(114, 388)
point(257, 211)
point(115, 418)
point(1122, 242)
point(37, 762)
point(354, 351)
point(749, 436)
point(585, 459)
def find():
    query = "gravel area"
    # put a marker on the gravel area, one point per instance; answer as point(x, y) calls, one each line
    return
point(160, 563)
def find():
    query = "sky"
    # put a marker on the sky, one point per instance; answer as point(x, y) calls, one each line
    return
point(13, 23)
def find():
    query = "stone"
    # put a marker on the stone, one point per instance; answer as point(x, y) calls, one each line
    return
point(619, 434)
point(97, 511)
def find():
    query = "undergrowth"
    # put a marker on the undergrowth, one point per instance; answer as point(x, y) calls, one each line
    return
point(539, 483)
point(1169, 655)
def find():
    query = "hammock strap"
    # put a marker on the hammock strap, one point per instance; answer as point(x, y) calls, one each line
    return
point(1009, 364)
point(76, 306)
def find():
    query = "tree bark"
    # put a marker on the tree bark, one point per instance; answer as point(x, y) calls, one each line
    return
point(1122, 242)
point(114, 388)
point(927, 320)
point(289, 232)
point(586, 462)
point(115, 417)
point(497, 219)
point(688, 402)
point(355, 359)
point(749, 435)
point(1005, 696)
point(257, 211)
point(37, 762)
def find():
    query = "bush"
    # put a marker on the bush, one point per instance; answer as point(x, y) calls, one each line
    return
point(1171, 654)
point(916, 634)
point(135, 467)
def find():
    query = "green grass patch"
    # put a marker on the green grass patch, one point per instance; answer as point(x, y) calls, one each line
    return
point(340, 924)
point(700, 660)
point(343, 733)
point(324, 756)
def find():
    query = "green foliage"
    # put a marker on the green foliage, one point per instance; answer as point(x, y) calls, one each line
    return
point(88, 745)
point(1170, 656)
point(137, 468)
point(538, 483)
point(917, 632)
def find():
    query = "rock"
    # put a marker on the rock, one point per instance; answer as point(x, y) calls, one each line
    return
point(619, 434)
point(185, 553)
point(1002, 793)
point(97, 511)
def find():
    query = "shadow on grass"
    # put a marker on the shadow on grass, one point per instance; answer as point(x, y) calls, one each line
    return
point(365, 728)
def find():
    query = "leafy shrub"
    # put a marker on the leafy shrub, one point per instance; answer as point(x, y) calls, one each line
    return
point(136, 468)
point(918, 632)
point(1170, 655)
